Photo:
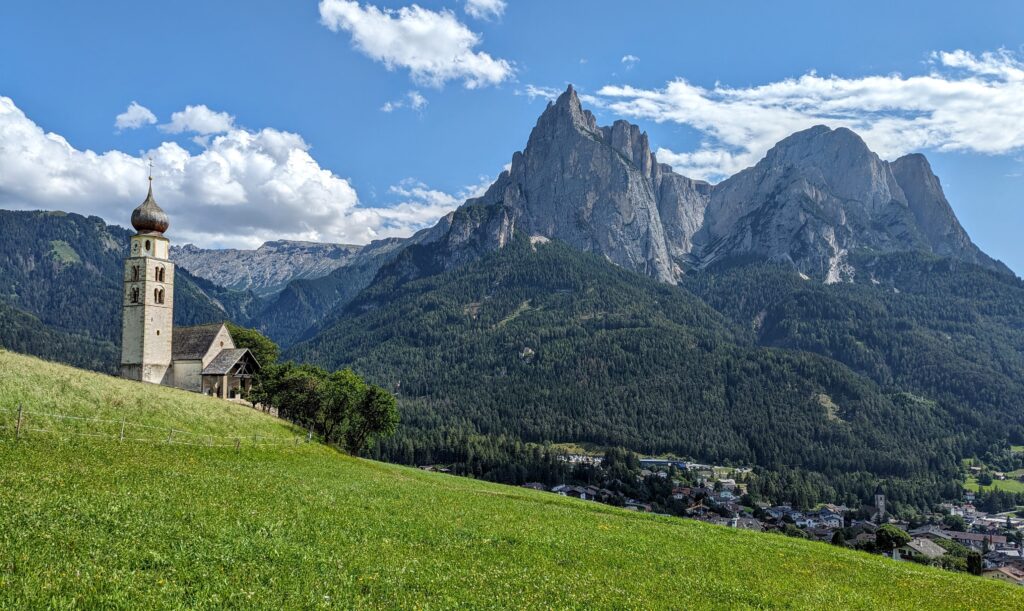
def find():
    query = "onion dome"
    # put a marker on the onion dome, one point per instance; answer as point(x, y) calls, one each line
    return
point(149, 217)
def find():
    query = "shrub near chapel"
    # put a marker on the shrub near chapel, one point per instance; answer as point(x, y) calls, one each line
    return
point(340, 406)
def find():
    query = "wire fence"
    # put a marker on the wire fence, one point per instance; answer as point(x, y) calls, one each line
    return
point(21, 423)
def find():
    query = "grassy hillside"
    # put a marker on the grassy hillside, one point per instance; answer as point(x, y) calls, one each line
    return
point(92, 522)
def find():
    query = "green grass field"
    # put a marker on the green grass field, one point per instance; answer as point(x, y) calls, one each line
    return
point(1010, 485)
point(93, 522)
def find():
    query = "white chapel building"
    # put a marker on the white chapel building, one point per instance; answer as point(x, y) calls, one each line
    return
point(202, 358)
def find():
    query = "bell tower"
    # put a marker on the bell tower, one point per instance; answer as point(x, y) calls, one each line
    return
point(148, 297)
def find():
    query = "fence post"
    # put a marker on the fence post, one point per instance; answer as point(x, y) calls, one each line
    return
point(121, 438)
point(238, 444)
point(255, 439)
point(309, 437)
point(17, 433)
point(170, 435)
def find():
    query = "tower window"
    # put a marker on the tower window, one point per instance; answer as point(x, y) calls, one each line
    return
point(158, 295)
point(135, 273)
point(135, 294)
point(159, 274)
point(147, 245)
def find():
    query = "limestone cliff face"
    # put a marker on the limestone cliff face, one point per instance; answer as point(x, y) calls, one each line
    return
point(601, 190)
point(814, 197)
point(821, 193)
point(817, 196)
point(266, 270)
point(933, 214)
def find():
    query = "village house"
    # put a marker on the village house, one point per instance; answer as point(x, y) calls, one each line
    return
point(919, 549)
point(976, 541)
point(1005, 573)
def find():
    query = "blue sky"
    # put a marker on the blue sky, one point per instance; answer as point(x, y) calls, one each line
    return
point(289, 135)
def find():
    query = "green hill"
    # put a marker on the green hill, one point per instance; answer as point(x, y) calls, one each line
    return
point(94, 522)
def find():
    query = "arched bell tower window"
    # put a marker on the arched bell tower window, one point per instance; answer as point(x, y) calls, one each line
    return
point(159, 274)
point(158, 295)
point(135, 294)
point(147, 245)
point(135, 273)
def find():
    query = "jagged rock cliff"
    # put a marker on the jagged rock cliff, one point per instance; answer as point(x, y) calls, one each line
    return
point(935, 218)
point(266, 270)
point(600, 189)
point(819, 195)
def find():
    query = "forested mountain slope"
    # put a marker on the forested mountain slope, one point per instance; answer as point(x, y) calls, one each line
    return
point(543, 343)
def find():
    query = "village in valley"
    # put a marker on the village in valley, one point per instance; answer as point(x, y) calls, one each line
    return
point(958, 535)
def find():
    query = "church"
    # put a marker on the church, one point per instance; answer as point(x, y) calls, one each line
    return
point(201, 359)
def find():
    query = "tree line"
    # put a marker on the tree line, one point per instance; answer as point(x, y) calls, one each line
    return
point(338, 406)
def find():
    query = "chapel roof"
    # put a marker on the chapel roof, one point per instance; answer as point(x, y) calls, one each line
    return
point(225, 360)
point(191, 343)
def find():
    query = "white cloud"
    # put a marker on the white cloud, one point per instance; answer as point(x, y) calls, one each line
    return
point(134, 117)
point(413, 100)
point(629, 60)
point(485, 9)
point(243, 188)
point(433, 45)
point(411, 191)
point(537, 91)
point(199, 119)
point(966, 102)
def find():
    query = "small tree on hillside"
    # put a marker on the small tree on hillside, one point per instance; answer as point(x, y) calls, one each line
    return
point(343, 391)
point(889, 537)
point(261, 346)
point(375, 416)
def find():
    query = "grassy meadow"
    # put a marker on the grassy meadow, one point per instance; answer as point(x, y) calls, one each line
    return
point(90, 522)
point(1009, 485)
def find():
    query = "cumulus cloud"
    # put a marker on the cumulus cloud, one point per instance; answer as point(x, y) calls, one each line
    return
point(629, 60)
point(539, 91)
point(416, 198)
point(413, 100)
point(200, 120)
point(433, 45)
point(485, 9)
point(134, 117)
point(965, 102)
point(243, 188)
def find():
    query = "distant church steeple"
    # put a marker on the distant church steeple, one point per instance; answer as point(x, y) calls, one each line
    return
point(148, 299)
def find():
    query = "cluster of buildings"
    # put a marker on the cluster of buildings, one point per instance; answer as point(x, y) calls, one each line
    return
point(717, 500)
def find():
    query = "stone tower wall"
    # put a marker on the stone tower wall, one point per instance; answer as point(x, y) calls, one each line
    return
point(147, 324)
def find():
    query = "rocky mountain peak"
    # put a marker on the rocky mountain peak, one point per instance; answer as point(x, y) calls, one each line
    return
point(598, 189)
point(933, 214)
point(816, 196)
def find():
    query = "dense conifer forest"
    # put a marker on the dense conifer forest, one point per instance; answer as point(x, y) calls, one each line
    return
point(828, 388)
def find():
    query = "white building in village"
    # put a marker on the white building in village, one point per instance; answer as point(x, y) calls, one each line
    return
point(202, 358)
